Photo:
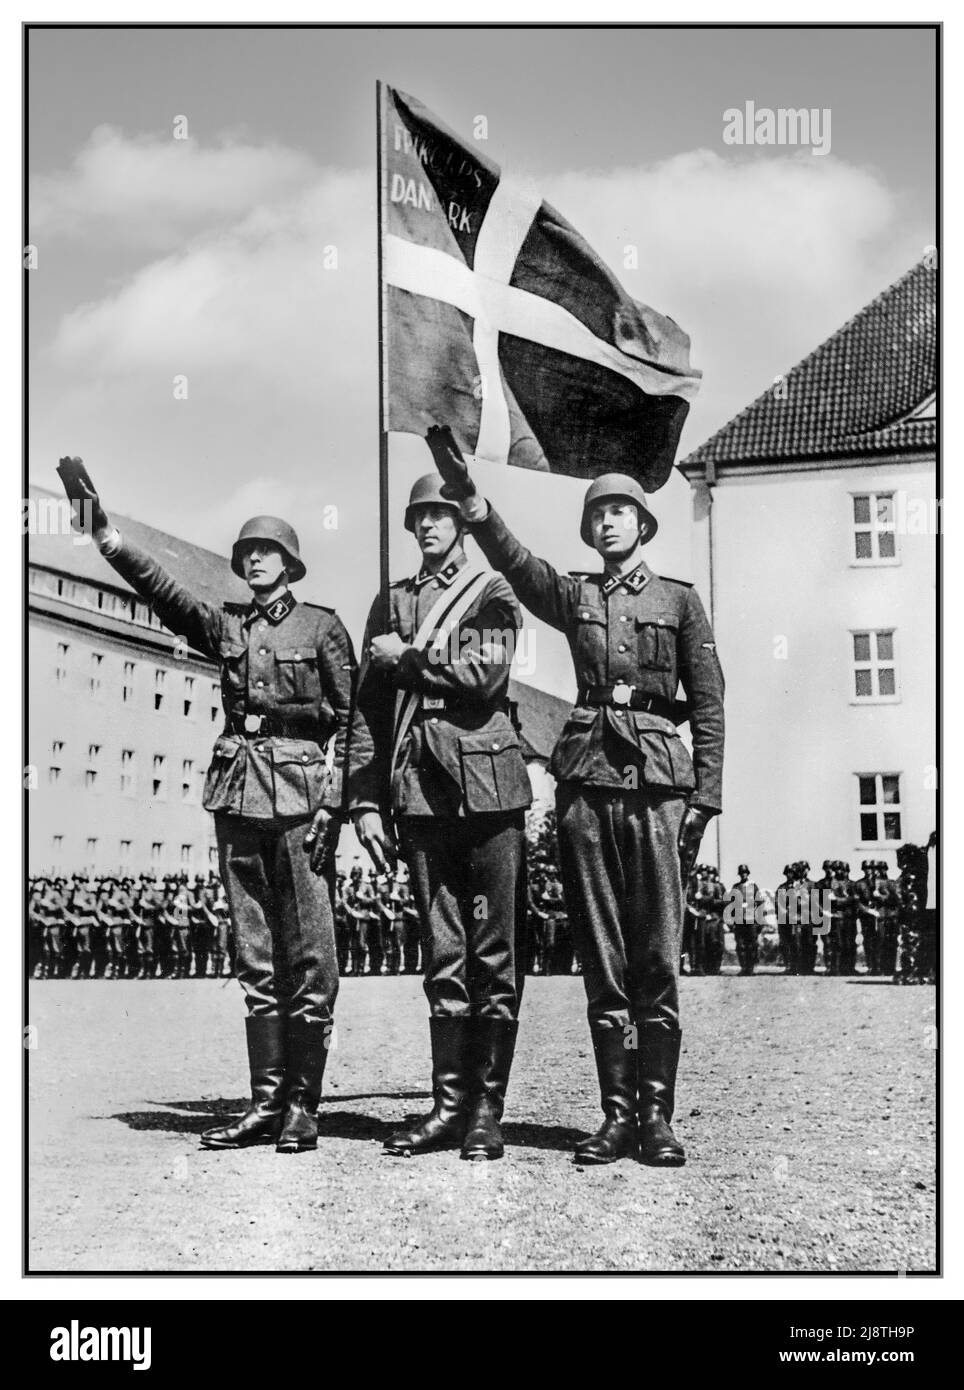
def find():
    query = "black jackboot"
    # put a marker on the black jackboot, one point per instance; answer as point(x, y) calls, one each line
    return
point(444, 1127)
point(261, 1122)
point(493, 1043)
point(616, 1067)
point(304, 1069)
point(658, 1058)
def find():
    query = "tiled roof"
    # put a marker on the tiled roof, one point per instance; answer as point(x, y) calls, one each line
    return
point(853, 394)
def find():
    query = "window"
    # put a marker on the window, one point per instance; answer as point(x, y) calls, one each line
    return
point(875, 535)
point(879, 794)
point(215, 702)
point(186, 852)
point(125, 851)
point(188, 696)
point(157, 853)
point(57, 845)
point(159, 678)
point(213, 856)
point(128, 687)
point(142, 614)
point(93, 764)
point(53, 773)
point(160, 777)
point(60, 670)
point(96, 665)
point(92, 850)
point(128, 784)
point(187, 779)
point(44, 582)
point(56, 756)
point(875, 668)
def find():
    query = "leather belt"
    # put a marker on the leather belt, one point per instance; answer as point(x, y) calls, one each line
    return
point(624, 696)
point(267, 725)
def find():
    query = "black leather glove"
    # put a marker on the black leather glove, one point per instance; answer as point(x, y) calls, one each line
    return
point(321, 841)
point(688, 842)
point(450, 463)
point(88, 514)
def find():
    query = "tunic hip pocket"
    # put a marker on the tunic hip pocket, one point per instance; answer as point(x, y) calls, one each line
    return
point(494, 776)
point(300, 778)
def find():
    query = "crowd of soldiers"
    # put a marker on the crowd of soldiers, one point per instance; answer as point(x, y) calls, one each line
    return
point(825, 918)
point(172, 927)
point(124, 927)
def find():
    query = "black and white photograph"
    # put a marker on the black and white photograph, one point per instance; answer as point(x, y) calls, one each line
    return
point(482, 540)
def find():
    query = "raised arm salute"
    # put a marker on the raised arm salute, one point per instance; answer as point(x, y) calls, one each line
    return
point(287, 686)
point(631, 803)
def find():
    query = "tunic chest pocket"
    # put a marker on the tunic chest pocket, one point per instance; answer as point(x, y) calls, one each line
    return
point(591, 636)
point(233, 660)
point(657, 642)
point(297, 669)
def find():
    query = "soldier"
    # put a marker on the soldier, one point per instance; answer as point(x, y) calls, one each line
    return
point(631, 806)
point(50, 913)
point(536, 958)
point(868, 915)
point(113, 913)
point(359, 905)
point(203, 922)
point(843, 924)
point(808, 921)
point(408, 923)
point(385, 924)
point(912, 887)
point(558, 942)
point(786, 910)
point(145, 912)
point(287, 681)
point(743, 902)
point(342, 925)
point(223, 936)
point(442, 757)
point(35, 921)
point(176, 916)
point(713, 901)
point(890, 914)
point(81, 912)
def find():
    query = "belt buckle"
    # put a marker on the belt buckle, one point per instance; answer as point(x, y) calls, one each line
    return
point(433, 702)
point(622, 693)
point(252, 723)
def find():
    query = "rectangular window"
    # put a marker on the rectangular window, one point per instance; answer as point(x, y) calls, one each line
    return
point(159, 784)
point(96, 666)
point(157, 852)
point(93, 764)
point(56, 760)
point(92, 850)
point(57, 846)
point(186, 852)
point(125, 851)
point(53, 774)
point(159, 678)
point(188, 696)
point(128, 783)
point(142, 614)
point(187, 779)
point(874, 529)
point(43, 582)
point(875, 666)
point(60, 670)
point(880, 810)
point(215, 702)
point(128, 687)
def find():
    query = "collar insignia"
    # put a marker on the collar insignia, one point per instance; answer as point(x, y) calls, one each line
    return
point(278, 610)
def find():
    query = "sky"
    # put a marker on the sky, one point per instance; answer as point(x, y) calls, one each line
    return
point(202, 258)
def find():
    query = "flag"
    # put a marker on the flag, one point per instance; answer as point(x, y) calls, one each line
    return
point(500, 320)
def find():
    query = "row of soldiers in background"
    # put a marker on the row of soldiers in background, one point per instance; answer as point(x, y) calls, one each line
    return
point(120, 927)
point(148, 927)
point(888, 915)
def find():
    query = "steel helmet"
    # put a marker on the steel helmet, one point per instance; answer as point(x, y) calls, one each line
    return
point(616, 485)
point(743, 868)
point(427, 491)
point(269, 528)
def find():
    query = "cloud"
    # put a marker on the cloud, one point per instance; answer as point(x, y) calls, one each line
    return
point(150, 192)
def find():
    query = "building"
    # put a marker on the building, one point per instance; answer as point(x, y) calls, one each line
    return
point(123, 715)
point(815, 525)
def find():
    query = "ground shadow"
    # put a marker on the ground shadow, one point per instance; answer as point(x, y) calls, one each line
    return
point(195, 1116)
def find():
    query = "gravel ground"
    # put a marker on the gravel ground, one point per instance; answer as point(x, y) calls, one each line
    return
point(807, 1107)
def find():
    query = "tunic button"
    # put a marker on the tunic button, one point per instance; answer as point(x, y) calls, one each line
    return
point(621, 647)
point(623, 618)
point(433, 720)
point(260, 685)
point(496, 747)
point(262, 651)
point(584, 615)
point(304, 757)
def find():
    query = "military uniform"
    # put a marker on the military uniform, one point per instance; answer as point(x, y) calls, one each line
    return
point(342, 926)
point(407, 927)
point(443, 758)
point(624, 782)
point(890, 914)
point(82, 916)
point(49, 913)
point(176, 917)
point(869, 909)
point(287, 681)
point(360, 906)
point(743, 902)
point(114, 911)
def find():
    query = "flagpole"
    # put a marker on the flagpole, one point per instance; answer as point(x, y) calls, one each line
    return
point(383, 567)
